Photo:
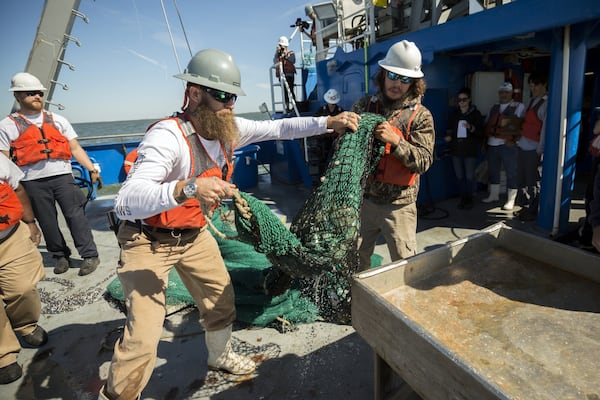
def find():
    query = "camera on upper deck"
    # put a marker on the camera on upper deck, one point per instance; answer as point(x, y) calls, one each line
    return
point(300, 23)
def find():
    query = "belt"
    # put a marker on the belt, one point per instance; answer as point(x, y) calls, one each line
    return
point(176, 232)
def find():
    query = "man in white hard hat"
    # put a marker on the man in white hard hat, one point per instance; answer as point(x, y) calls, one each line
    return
point(286, 59)
point(21, 268)
point(324, 143)
point(182, 170)
point(42, 143)
point(502, 130)
point(389, 207)
point(331, 107)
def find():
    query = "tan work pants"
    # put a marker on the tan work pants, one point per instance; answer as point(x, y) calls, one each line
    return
point(143, 271)
point(21, 268)
point(397, 224)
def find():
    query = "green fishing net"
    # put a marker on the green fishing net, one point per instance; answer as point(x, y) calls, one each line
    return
point(320, 247)
point(318, 252)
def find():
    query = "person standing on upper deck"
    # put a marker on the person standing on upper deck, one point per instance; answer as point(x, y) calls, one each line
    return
point(42, 144)
point(182, 171)
point(286, 59)
point(502, 129)
point(21, 268)
point(389, 207)
point(531, 146)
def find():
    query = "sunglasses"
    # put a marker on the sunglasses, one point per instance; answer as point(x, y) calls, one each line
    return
point(221, 96)
point(462, 99)
point(36, 92)
point(392, 76)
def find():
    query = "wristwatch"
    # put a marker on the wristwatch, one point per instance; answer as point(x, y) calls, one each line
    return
point(190, 188)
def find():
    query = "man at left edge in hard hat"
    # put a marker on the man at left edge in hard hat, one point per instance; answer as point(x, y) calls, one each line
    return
point(42, 143)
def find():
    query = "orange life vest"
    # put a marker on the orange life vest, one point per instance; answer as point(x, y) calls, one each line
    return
point(492, 128)
point(532, 124)
point(36, 144)
point(11, 210)
point(390, 169)
point(189, 213)
point(129, 160)
point(288, 68)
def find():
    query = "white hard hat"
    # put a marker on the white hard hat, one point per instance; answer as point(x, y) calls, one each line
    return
point(331, 96)
point(24, 81)
point(403, 58)
point(283, 41)
point(506, 87)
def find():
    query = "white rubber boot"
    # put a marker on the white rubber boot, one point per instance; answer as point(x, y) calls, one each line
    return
point(510, 200)
point(494, 193)
point(103, 396)
point(221, 355)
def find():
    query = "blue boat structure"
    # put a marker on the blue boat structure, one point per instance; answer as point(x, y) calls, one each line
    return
point(474, 43)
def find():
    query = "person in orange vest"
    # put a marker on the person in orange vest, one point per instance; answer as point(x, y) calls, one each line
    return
point(502, 130)
point(390, 200)
point(181, 173)
point(286, 59)
point(42, 144)
point(21, 268)
point(531, 146)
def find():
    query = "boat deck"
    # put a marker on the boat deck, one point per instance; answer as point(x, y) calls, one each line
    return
point(318, 360)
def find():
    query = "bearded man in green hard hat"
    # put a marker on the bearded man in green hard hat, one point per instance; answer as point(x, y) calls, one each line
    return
point(182, 171)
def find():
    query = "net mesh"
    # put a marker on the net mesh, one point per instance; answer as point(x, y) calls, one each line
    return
point(318, 252)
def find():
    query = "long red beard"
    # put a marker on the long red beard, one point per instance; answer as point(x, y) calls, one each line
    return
point(218, 125)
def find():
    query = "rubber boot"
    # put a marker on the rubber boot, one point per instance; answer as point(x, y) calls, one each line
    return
point(102, 395)
point(494, 193)
point(510, 200)
point(221, 355)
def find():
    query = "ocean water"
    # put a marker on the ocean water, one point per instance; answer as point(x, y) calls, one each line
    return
point(133, 127)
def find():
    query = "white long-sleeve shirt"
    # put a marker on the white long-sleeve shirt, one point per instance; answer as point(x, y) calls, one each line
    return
point(164, 159)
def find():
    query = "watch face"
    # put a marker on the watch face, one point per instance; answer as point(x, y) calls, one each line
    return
point(189, 190)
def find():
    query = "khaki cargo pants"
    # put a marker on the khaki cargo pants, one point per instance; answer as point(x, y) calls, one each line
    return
point(396, 223)
point(21, 268)
point(143, 270)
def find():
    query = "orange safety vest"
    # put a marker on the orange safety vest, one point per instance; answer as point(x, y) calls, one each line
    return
point(288, 68)
point(129, 160)
point(532, 124)
point(390, 169)
point(494, 121)
point(11, 209)
point(37, 144)
point(189, 213)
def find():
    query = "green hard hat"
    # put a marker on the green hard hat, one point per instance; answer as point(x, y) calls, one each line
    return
point(214, 69)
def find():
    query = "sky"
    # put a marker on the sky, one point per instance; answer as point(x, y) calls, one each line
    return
point(125, 65)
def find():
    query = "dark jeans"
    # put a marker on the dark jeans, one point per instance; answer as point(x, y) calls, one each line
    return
point(499, 156)
point(44, 193)
point(528, 177)
point(464, 169)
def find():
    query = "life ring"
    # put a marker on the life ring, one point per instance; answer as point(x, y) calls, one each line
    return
point(129, 160)
point(511, 76)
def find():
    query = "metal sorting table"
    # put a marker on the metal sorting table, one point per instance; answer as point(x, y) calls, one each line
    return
point(501, 314)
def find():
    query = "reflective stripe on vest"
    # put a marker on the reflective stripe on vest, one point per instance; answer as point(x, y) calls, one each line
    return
point(532, 124)
point(11, 210)
point(38, 143)
point(189, 214)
